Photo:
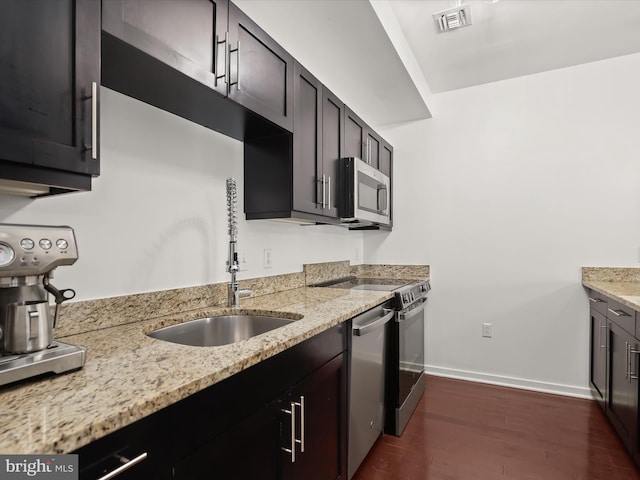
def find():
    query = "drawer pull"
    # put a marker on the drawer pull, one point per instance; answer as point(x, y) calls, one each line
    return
point(596, 300)
point(618, 313)
point(126, 465)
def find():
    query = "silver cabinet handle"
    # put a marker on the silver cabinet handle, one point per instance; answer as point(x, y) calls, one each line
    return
point(329, 194)
point(237, 51)
point(292, 450)
point(619, 313)
point(626, 360)
point(596, 300)
point(359, 331)
point(93, 146)
point(324, 193)
point(225, 59)
point(605, 329)
point(94, 120)
point(301, 405)
point(632, 351)
point(127, 464)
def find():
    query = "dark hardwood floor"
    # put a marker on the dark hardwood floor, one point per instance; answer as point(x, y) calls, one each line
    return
point(464, 430)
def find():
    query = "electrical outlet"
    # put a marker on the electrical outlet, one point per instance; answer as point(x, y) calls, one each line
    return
point(267, 258)
point(487, 330)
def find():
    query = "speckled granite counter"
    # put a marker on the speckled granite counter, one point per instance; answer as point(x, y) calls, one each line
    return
point(129, 375)
point(620, 284)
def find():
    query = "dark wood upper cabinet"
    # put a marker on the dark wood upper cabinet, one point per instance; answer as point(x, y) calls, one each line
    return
point(309, 192)
point(188, 35)
point(260, 71)
point(332, 147)
point(354, 135)
point(385, 164)
point(49, 85)
point(175, 54)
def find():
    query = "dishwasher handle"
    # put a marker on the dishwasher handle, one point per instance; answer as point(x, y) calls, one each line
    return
point(360, 330)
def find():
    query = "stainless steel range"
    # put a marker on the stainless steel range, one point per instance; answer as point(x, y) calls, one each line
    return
point(378, 400)
point(28, 256)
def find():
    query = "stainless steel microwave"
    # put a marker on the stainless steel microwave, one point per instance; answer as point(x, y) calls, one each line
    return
point(364, 194)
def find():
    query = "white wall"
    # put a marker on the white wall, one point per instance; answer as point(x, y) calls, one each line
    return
point(509, 190)
point(156, 218)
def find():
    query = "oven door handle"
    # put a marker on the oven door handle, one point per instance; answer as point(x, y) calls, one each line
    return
point(412, 313)
point(359, 331)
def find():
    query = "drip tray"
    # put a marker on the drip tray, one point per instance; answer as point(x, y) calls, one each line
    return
point(57, 358)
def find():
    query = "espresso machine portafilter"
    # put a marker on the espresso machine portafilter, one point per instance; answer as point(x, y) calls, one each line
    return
point(28, 256)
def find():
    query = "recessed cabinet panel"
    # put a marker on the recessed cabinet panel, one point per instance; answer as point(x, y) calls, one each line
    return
point(332, 147)
point(373, 149)
point(622, 395)
point(184, 26)
point(598, 365)
point(386, 158)
point(353, 135)
point(307, 167)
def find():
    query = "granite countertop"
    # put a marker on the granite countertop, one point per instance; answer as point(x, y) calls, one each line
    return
point(128, 375)
point(620, 284)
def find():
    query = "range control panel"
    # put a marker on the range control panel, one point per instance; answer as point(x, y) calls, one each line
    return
point(35, 249)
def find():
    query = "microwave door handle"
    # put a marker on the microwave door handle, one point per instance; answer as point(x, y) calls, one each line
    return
point(382, 198)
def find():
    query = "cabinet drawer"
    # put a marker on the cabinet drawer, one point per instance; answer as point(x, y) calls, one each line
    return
point(597, 301)
point(622, 315)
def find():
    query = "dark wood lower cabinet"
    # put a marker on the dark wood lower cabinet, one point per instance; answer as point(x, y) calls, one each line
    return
point(622, 396)
point(242, 427)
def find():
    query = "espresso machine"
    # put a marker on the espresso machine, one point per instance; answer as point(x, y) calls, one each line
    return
point(28, 256)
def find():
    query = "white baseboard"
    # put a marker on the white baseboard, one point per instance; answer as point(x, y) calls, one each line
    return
point(536, 386)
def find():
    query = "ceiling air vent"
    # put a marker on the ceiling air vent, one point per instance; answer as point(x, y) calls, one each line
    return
point(452, 18)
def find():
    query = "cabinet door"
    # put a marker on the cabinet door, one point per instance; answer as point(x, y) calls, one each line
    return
point(309, 191)
point(49, 64)
point(320, 400)
point(261, 71)
point(386, 158)
point(354, 135)
point(188, 35)
point(332, 147)
point(249, 450)
point(372, 146)
point(622, 392)
point(598, 363)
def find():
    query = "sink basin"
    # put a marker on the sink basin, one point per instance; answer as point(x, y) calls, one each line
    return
point(219, 330)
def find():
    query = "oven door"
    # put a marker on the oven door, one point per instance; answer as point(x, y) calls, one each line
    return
point(410, 350)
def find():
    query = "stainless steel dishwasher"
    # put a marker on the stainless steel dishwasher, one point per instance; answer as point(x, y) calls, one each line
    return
point(366, 404)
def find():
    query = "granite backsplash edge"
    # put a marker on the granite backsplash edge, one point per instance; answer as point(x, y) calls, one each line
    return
point(90, 315)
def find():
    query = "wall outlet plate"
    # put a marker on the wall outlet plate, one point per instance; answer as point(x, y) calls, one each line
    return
point(267, 258)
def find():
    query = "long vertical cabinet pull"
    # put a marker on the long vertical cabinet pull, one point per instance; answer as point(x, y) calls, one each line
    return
point(324, 191)
point(329, 199)
point(627, 374)
point(237, 52)
point(632, 351)
point(225, 58)
point(605, 336)
point(291, 450)
point(301, 405)
point(94, 120)
point(93, 144)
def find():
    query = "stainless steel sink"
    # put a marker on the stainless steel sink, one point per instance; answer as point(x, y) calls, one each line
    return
point(219, 330)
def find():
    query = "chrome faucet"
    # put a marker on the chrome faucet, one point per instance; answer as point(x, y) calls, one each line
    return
point(233, 266)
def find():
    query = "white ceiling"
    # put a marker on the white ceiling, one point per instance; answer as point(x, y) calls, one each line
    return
point(346, 44)
point(511, 38)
